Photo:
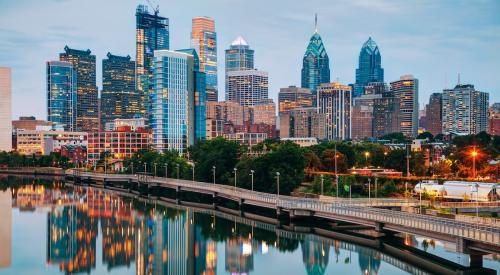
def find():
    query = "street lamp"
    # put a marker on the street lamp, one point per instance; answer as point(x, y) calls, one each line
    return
point(367, 154)
point(155, 167)
point(132, 164)
point(213, 170)
point(322, 184)
point(235, 171)
point(145, 168)
point(166, 170)
point(177, 171)
point(278, 183)
point(369, 191)
point(251, 174)
point(474, 155)
point(193, 171)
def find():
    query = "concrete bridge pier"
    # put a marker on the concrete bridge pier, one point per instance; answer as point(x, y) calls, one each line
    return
point(476, 257)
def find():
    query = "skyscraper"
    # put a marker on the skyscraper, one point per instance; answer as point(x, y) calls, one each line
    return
point(239, 57)
point(152, 33)
point(295, 97)
point(61, 94)
point(386, 115)
point(315, 64)
point(406, 90)
point(204, 41)
point(362, 116)
point(303, 123)
point(369, 68)
point(433, 114)
point(247, 87)
point(119, 98)
point(5, 109)
point(87, 113)
point(465, 110)
point(172, 115)
point(335, 101)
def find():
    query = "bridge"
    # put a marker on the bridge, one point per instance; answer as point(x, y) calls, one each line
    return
point(473, 239)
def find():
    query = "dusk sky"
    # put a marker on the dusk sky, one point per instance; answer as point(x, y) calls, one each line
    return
point(433, 40)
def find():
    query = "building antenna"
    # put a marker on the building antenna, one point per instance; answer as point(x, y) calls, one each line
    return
point(316, 22)
point(458, 79)
point(446, 80)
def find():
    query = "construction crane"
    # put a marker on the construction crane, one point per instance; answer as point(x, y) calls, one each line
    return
point(157, 11)
point(156, 8)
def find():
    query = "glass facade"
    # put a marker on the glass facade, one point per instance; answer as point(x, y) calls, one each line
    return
point(87, 111)
point(335, 101)
point(315, 64)
point(204, 41)
point(152, 33)
point(172, 101)
point(239, 57)
point(369, 68)
point(119, 98)
point(248, 88)
point(406, 90)
point(61, 94)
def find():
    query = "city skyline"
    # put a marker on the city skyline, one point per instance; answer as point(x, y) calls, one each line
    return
point(434, 45)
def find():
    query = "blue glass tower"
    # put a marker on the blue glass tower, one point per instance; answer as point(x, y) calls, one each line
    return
point(204, 41)
point(239, 57)
point(61, 94)
point(370, 67)
point(316, 64)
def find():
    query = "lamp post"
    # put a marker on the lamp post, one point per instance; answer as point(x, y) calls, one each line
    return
point(321, 184)
point(369, 191)
point(336, 176)
point(278, 184)
point(177, 171)
point(145, 168)
point(132, 164)
point(474, 155)
point(155, 164)
point(420, 197)
point(193, 171)
point(251, 174)
point(367, 154)
point(213, 170)
point(166, 170)
point(235, 171)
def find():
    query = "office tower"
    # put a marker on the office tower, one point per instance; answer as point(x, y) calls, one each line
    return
point(200, 96)
point(239, 57)
point(433, 114)
point(172, 101)
point(247, 87)
point(303, 123)
point(225, 111)
point(465, 110)
point(406, 90)
point(61, 94)
point(386, 115)
point(264, 112)
point(119, 99)
point(334, 100)
point(87, 113)
point(369, 68)
point(315, 64)
point(151, 34)
point(204, 41)
point(5, 109)
point(363, 116)
point(294, 97)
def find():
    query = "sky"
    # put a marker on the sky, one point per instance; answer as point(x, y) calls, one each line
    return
point(430, 39)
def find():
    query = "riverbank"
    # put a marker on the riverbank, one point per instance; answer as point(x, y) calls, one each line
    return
point(33, 171)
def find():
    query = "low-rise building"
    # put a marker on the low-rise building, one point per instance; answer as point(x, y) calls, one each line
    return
point(43, 142)
point(302, 141)
point(246, 138)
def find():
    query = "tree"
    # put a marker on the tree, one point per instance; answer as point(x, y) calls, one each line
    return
point(441, 168)
point(426, 135)
point(395, 137)
point(312, 161)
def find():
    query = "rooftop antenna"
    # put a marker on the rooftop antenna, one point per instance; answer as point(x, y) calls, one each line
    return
point(458, 79)
point(316, 22)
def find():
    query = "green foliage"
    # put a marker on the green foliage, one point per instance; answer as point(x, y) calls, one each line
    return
point(388, 188)
point(147, 159)
point(426, 135)
point(395, 137)
point(14, 159)
point(328, 185)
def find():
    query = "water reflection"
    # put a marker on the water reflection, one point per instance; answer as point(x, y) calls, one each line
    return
point(145, 238)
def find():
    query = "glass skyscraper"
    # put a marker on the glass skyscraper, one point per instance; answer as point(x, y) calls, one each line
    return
point(239, 57)
point(119, 98)
point(84, 64)
point(406, 90)
point(152, 33)
point(315, 64)
point(248, 88)
point(61, 94)
point(369, 68)
point(172, 109)
point(204, 41)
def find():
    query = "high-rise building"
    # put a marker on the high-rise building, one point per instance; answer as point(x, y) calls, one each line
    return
point(119, 98)
point(264, 113)
point(433, 114)
point(369, 68)
point(362, 116)
point(315, 64)
point(247, 87)
point(303, 123)
point(87, 112)
point(172, 115)
point(5, 109)
point(295, 97)
point(61, 94)
point(152, 33)
point(204, 41)
point(225, 111)
point(239, 57)
point(465, 110)
point(386, 115)
point(335, 101)
point(406, 90)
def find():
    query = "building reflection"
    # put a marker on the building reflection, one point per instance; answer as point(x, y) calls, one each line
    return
point(369, 260)
point(315, 256)
point(5, 228)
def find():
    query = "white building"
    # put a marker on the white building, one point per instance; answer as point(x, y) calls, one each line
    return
point(43, 142)
point(5, 109)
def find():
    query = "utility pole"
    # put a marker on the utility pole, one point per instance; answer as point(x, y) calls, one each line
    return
point(407, 161)
point(336, 176)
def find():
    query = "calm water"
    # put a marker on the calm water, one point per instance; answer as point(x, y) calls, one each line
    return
point(52, 229)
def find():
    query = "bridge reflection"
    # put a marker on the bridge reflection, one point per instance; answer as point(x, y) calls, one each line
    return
point(162, 238)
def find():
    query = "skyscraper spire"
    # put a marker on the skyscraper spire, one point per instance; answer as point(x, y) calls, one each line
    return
point(316, 22)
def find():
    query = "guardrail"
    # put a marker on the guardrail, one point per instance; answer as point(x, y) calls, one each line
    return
point(339, 208)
